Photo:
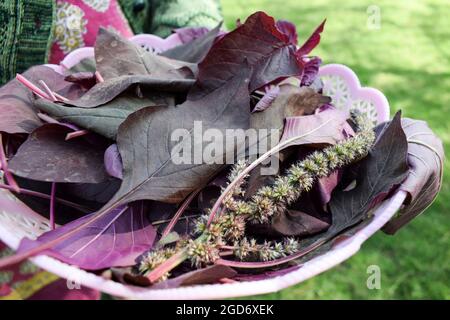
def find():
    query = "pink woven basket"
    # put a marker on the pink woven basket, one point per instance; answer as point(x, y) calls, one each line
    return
point(340, 83)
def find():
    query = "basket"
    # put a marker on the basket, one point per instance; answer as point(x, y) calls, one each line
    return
point(340, 83)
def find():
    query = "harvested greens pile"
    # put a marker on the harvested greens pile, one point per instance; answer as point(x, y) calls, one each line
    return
point(93, 150)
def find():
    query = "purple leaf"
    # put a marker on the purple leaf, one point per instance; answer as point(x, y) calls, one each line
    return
point(289, 29)
point(266, 101)
point(297, 223)
point(426, 161)
point(196, 50)
point(325, 127)
point(326, 186)
point(115, 240)
point(189, 34)
point(384, 168)
point(312, 41)
point(47, 156)
point(18, 114)
point(113, 162)
point(259, 42)
point(310, 71)
point(116, 56)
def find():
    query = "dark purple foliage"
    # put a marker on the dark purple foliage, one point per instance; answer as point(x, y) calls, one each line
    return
point(289, 29)
point(113, 162)
point(310, 70)
point(115, 240)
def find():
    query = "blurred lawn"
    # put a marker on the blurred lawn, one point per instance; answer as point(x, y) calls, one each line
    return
point(408, 59)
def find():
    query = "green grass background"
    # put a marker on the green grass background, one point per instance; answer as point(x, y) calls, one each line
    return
point(408, 59)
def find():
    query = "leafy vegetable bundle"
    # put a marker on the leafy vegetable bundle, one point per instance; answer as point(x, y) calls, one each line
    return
point(92, 150)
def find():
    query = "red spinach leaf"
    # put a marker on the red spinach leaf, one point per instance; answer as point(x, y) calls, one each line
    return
point(47, 156)
point(115, 240)
point(426, 161)
point(196, 50)
point(116, 56)
point(104, 120)
point(259, 42)
point(312, 41)
point(384, 168)
point(149, 170)
point(18, 114)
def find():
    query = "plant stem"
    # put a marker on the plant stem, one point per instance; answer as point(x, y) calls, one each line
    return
point(179, 212)
point(46, 196)
point(46, 118)
point(52, 206)
point(271, 263)
point(60, 97)
point(76, 134)
point(158, 222)
point(48, 91)
point(99, 77)
point(4, 166)
point(32, 87)
point(167, 265)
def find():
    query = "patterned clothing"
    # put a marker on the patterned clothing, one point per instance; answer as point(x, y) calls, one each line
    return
point(35, 31)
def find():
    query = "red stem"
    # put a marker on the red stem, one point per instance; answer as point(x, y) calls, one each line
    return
point(46, 196)
point(46, 118)
point(32, 87)
point(52, 206)
point(48, 91)
point(166, 266)
point(76, 134)
point(60, 97)
point(4, 166)
point(99, 77)
point(271, 263)
point(179, 212)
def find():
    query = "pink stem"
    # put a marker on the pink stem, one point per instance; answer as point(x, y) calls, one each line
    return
point(76, 134)
point(47, 90)
point(227, 247)
point(60, 97)
point(4, 165)
point(166, 266)
point(47, 118)
point(179, 212)
point(45, 196)
point(52, 206)
point(32, 87)
point(99, 77)
point(271, 263)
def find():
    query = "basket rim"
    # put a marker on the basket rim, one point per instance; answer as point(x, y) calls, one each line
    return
point(339, 253)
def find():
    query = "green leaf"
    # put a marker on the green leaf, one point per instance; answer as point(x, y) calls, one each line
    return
point(104, 120)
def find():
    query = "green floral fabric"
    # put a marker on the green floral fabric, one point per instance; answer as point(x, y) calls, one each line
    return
point(26, 26)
